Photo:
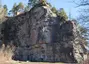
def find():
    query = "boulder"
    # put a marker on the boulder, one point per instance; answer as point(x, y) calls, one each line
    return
point(38, 36)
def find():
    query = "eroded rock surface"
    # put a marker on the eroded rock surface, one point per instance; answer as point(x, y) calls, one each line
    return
point(38, 36)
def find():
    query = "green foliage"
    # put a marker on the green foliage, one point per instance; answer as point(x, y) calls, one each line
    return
point(54, 10)
point(14, 9)
point(5, 9)
point(49, 4)
point(17, 8)
point(2, 14)
point(34, 2)
point(83, 30)
point(27, 8)
point(62, 14)
point(82, 33)
point(43, 2)
point(83, 18)
point(20, 5)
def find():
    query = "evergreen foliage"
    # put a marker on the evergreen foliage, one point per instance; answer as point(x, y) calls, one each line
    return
point(17, 8)
point(31, 3)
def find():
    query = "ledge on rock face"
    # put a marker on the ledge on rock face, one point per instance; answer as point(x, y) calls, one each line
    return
point(38, 36)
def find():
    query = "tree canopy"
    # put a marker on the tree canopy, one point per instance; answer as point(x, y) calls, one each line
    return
point(31, 3)
point(83, 18)
point(5, 9)
point(17, 8)
point(61, 13)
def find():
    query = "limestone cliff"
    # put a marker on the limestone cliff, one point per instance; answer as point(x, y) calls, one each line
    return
point(38, 36)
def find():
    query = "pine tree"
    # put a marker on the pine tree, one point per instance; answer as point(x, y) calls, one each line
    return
point(17, 8)
point(27, 8)
point(5, 9)
point(34, 2)
point(62, 14)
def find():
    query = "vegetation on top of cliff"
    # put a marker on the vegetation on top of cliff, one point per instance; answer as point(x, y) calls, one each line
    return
point(20, 8)
point(61, 13)
point(31, 3)
point(83, 18)
point(16, 8)
point(3, 13)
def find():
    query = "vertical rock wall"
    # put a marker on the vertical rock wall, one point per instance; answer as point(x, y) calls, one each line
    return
point(38, 36)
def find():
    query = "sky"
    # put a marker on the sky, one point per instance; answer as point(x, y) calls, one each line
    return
point(68, 6)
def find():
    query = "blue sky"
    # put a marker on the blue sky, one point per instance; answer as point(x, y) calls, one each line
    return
point(66, 4)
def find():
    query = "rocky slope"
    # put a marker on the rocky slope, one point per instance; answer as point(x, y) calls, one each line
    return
point(38, 36)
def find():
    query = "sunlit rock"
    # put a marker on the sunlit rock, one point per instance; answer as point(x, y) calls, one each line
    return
point(38, 36)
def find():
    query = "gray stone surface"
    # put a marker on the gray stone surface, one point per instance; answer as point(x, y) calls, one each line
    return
point(38, 36)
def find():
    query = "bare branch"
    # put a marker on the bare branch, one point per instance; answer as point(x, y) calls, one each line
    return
point(81, 3)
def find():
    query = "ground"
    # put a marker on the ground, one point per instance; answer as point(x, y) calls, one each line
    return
point(19, 62)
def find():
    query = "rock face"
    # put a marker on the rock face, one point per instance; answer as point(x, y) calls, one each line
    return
point(38, 36)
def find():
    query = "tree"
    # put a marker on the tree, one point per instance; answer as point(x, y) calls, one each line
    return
point(54, 10)
point(85, 10)
point(62, 14)
point(0, 4)
point(3, 13)
point(27, 8)
point(14, 10)
point(49, 4)
point(17, 8)
point(84, 13)
point(81, 2)
point(20, 6)
point(5, 9)
point(81, 33)
point(83, 18)
point(34, 2)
